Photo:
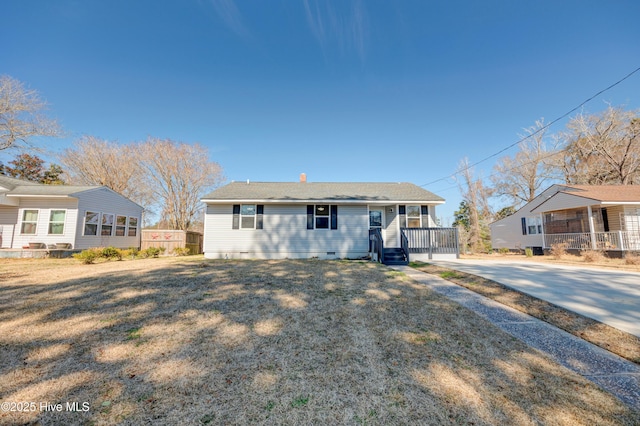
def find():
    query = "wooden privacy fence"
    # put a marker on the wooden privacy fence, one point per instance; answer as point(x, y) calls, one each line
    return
point(171, 239)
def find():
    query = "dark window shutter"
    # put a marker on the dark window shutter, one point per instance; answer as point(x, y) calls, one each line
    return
point(310, 216)
point(424, 212)
point(524, 225)
point(259, 215)
point(236, 217)
point(334, 217)
point(402, 212)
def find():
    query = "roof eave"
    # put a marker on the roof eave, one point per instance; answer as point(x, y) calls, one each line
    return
point(317, 200)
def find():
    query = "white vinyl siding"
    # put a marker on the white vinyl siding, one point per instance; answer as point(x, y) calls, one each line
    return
point(507, 233)
point(45, 208)
point(285, 234)
point(107, 203)
point(8, 222)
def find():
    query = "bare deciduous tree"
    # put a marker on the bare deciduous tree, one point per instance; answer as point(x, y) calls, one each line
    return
point(21, 115)
point(476, 197)
point(95, 161)
point(601, 148)
point(521, 177)
point(159, 174)
point(177, 175)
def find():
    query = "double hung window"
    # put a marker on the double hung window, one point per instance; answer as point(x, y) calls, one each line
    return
point(322, 216)
point(56, 222)
point(29, 222)
point(91, 222)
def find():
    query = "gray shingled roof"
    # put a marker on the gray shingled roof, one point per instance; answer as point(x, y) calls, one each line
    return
point(19, 187)
point(322, 191)
point(10, 183)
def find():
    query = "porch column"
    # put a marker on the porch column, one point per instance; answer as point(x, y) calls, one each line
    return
point(592, 229)
point(544, 239)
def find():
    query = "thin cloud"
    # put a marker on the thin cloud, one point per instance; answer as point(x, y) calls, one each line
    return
point(230, 15)
point(348, 32)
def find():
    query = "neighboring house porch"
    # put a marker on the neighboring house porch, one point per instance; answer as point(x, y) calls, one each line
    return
point(584, 217)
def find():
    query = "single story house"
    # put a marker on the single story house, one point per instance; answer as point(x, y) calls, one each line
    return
point(75, 217)
point(313, 219)
point(602, 217)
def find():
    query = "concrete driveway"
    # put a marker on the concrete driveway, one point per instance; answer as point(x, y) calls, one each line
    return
point(609, 296)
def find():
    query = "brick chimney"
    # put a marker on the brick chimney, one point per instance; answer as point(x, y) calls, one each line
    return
point(303, 177)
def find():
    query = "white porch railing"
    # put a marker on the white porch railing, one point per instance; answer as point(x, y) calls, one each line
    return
point(616, 240)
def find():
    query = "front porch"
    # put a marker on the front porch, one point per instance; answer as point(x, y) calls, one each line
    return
point(608, 241)
point(416, 244)
point(614, 228)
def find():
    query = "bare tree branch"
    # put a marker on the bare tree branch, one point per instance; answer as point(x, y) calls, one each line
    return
point(21, 115)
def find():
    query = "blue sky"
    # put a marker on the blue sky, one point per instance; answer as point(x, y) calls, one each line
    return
point(341, 90)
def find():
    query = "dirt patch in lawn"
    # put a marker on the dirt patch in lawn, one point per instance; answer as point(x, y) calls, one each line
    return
point(619, 342)
point(183, 341)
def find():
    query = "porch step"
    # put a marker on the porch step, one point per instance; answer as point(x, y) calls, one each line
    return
point(394, 256)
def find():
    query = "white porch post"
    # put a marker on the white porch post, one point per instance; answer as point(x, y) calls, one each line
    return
point(591, 228)
point(544, 239)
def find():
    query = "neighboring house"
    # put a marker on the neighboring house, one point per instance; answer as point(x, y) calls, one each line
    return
point(603, 217)
point(78, 217)
point(305, 219)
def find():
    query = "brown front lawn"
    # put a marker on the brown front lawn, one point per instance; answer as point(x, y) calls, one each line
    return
point(184, 341)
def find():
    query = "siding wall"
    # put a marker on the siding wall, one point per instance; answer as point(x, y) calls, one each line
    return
point(285, 234)
point(8, 220)
point(507, 233)
point(42, 230)
point(105, 201)
point(613, 216)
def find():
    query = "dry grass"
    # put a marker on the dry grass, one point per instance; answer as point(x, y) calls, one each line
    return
point(178, 341)
point(592, 256)
point(619, 342)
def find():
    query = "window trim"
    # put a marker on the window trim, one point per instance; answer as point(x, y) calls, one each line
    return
point(244, 216)
point(34, 222)
point(96, 224)
point(419, 217)
point(131, 227)
point(102, 224)
point(238, 216)
point(123, 227)
point(64, 220)
point(534, 222)
point(332, 216)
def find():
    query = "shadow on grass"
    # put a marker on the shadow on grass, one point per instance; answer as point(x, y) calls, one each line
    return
point(283, 342)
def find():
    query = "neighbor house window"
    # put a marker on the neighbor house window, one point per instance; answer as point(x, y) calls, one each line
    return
point(322, 216)
point(56, 222)
point(247, 216)
point(534, 225)
point(121, 226)
point(133, 226)
point(107, 225)
point(29, 222)
point(531, 225)
point(91, 221)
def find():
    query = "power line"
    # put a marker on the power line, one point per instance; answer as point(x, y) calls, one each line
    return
point(541, 129)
